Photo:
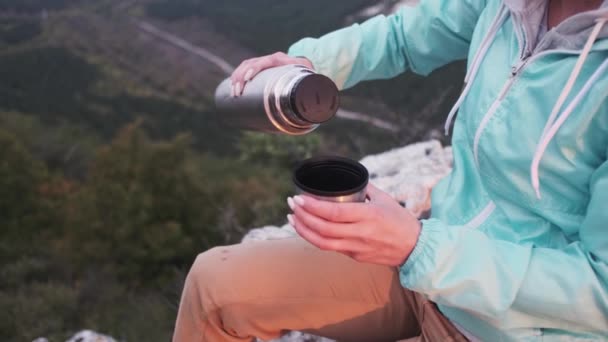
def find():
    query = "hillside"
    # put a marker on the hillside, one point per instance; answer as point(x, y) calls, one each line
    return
point(117, 170)
point(122, 71)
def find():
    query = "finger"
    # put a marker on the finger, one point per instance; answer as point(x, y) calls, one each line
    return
point(323, 243)
point(238, 75)
point(335, 212)
point(257, 66)
point(326, 228)
point(249, 74)
point(237, 72)
point(252, 71)
point(251, 67)
point(266, 62)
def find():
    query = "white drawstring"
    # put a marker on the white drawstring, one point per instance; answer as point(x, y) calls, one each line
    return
point(501, 16)
point(477, 60)
point(553, 123)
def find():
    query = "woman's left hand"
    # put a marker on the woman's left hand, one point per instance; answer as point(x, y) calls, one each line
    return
point(379, 231)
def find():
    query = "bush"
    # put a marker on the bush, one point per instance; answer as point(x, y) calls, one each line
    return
point(143, 209)
point(39, 309)
point(22, 210)
point(282, 151)
point(109, 252)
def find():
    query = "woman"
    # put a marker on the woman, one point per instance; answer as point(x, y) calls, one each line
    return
point(517, 246)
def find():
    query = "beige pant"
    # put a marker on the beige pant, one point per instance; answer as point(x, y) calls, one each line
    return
point(264, 289)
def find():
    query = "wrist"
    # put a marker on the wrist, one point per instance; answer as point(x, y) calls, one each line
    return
point(413, 240)
point(431, 235)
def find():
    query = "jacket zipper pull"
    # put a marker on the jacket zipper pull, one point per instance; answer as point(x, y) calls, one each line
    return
point(514, 72)
point(517, 67)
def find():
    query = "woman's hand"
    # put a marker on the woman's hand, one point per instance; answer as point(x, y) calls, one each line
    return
point(379, 232)
point(251, 67)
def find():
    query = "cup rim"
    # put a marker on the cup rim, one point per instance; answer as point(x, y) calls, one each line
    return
point(353, 164)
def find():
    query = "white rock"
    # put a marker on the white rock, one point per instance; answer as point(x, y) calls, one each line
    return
point(296, 336)
point(269, 233)
point(90, 336)
point(409, 173)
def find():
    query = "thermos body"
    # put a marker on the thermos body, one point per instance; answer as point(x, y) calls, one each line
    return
point(290, 99)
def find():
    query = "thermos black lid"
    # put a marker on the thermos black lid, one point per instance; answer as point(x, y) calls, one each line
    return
point(315, 98)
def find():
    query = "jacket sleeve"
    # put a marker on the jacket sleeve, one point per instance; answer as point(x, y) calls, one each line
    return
point(512, 285)
point(420, 38)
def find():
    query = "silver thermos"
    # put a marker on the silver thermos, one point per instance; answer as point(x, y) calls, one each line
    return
point(290, 99)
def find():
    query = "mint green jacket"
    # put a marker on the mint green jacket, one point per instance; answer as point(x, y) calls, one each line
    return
point(502, 261)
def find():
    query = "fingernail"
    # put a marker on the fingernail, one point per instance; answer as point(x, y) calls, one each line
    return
point(299, 200)
point(232, 90)
point(238, 89)
point(248, 75)
point(291, 220)
point(290, 202)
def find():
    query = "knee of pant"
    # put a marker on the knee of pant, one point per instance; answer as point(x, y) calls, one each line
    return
point(208, 279)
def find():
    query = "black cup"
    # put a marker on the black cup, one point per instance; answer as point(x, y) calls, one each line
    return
point(334, 179)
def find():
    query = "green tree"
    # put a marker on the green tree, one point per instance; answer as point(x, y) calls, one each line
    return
point(21, 208)
point(143, 209)
point(30, 219)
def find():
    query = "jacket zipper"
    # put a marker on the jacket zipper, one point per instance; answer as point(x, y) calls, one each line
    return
point(494, 107)
point(515, 72)
point(525, 57)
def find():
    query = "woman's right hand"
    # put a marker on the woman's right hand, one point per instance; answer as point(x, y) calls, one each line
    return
point(251, 67)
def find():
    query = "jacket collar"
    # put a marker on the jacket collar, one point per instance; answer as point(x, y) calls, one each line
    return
point(571, 34)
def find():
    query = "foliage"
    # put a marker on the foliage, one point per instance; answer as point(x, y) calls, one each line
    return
point(280, 150)
point(108, 252)
point(45, 80)
point(57, 85)
point(21, 177)
point(38, 308)
point(58, 307)
point(64, 148)
point(101, 217)
point(29, 222)
point(148, 194)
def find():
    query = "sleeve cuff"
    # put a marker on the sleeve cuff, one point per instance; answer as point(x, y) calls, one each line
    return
point(299, 50)
point(296, 50)
point(421, 260)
